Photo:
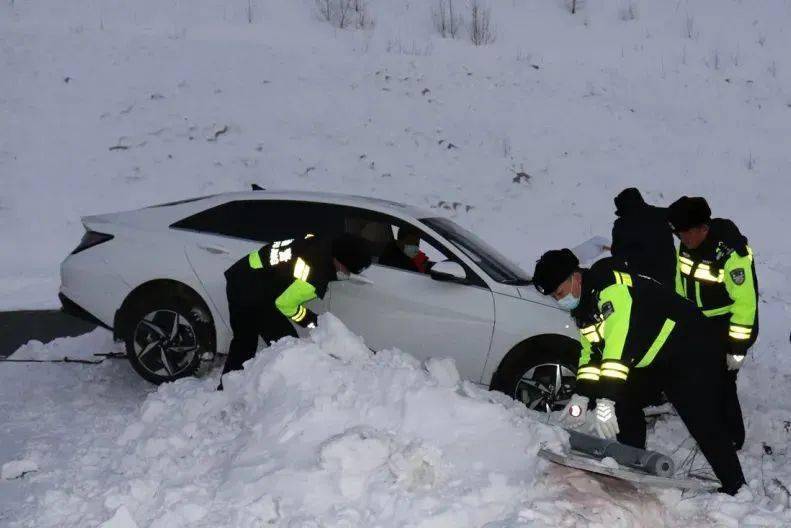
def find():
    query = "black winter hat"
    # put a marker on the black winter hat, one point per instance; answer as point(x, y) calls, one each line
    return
point(553, 268)
point(628, 200)
point(352, 251)
point(688, 212)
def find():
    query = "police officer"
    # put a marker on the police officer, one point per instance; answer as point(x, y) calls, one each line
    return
point(716, 271)
point(642, 239)
point(635, 333)
point(268, 288)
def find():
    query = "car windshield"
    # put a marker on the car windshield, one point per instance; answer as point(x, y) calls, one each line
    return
point(497, 266)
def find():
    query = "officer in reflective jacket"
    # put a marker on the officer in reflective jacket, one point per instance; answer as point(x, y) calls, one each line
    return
point(638, 337)
point(716, 271)
point(267, 289)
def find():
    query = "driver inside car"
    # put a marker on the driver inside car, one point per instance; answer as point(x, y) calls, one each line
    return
point(404, 252)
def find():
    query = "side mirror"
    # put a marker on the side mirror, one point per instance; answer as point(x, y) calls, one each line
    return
point(448, 271)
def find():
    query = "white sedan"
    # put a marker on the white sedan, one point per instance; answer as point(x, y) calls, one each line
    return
point(155, 277)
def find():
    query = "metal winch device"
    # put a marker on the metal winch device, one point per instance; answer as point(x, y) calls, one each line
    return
point(640, 466)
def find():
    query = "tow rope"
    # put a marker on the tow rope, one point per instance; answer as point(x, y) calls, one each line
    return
point(66, 359)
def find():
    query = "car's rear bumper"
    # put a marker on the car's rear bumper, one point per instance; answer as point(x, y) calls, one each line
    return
point(72, 308)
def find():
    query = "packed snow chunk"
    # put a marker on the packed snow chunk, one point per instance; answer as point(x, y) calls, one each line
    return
point(443, 371)
point(121, 519)
point(355, 456)
point(17, 468)
point(609, 462)
point(334, 339)
point(82, 347)
point(418, 466)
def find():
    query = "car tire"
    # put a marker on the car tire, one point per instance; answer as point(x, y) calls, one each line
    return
point(543, 379)
point(167, 336)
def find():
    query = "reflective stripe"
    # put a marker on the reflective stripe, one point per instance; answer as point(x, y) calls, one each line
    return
point(658, 343)
point(301, 270)
point(593, 333)
point(612, 365)
point(714, 312)
point(590, 373)
point(300, 315)
point(698, 299)
point(702, 272)
point(255, 260)
point(607, 373)
point(740, 332)
point(623, 278)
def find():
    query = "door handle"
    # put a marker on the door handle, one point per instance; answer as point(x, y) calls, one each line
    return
point(359, 279)
point(214, 250)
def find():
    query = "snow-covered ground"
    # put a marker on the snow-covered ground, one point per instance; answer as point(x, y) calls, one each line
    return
point(317, 433)
point(116, 105)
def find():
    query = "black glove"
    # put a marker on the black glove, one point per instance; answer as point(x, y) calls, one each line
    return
point(309, 321)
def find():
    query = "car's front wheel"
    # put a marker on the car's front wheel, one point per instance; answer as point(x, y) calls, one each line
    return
point(543, 379)
point(166, 337)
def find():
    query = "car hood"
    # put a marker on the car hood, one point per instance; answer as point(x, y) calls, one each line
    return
point(529, 293)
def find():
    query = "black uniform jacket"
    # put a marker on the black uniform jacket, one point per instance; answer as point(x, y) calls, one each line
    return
point(628, 321)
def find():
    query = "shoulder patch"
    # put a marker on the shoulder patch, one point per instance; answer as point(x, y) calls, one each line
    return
point(607, 310)
point(738, 276)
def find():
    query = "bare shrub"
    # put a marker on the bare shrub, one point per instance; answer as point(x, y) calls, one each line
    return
point(345, 14)
point(628, 12)
point(481, 29)
point(447, 19)
point(689, 27)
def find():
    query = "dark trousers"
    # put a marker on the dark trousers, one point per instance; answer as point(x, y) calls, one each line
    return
point(253, 313)
point(733, 409)
point(693, 378)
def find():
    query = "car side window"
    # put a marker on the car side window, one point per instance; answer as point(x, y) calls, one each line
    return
point(392, 242)
point(265, 220)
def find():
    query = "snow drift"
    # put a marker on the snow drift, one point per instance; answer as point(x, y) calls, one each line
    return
point(319, 432)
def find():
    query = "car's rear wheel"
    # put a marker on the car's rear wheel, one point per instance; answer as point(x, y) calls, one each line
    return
point(543, 379)
point(167, 337)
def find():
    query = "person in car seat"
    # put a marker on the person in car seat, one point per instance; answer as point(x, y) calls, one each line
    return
point(404, 252)
point(268, 288)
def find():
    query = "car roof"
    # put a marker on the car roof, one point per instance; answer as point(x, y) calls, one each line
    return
point(353, 200)
point(161, 215)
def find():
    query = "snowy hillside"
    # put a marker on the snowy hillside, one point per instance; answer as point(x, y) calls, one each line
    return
point(116, 105)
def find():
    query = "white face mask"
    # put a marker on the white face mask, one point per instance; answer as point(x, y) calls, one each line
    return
point(411, 251)
point(569, 302)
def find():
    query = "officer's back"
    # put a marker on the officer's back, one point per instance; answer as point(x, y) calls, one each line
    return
point(642, 238)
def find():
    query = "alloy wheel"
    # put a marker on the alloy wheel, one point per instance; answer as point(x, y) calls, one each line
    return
point(165, 343)
point(546, 387)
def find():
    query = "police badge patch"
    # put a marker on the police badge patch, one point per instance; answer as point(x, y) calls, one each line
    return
point(607, 309)
point(738, 276)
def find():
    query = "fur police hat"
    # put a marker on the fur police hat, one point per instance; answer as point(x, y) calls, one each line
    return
point(352, 251)
point(553, 268)
point(688, 212)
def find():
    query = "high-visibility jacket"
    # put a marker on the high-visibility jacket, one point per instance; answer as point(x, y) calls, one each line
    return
point(288, 273)
point(627, 321)
point(719, 277)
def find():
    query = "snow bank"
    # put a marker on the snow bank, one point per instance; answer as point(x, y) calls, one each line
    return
point(17, 468)
point(83, 347)
point(321, 432)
